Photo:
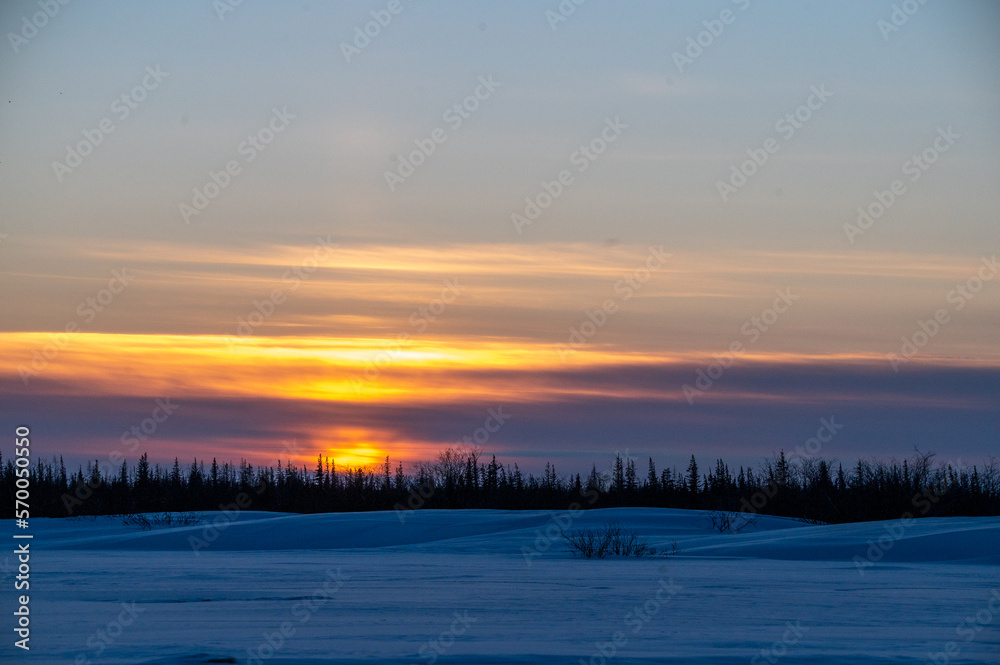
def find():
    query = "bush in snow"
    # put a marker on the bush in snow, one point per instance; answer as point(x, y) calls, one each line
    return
point(611, 540)
point(731, 521)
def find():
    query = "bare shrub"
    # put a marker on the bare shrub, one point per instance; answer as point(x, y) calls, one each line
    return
point(812, 521)
point(611, 540)
point(147, 521)
point(731, 521)
point(136, 519)
point(583, 543)
point(187, 518)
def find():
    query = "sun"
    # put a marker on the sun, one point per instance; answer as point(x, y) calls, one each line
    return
point(360, 447)
point(361, 455)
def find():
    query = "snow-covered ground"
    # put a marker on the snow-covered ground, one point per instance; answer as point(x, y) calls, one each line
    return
point(497, 586)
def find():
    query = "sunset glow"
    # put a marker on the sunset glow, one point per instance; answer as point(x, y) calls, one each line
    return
point(589, 249)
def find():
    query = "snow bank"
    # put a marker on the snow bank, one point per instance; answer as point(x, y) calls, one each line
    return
point(960, 539)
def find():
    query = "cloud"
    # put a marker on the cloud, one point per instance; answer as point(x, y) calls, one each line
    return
point(572, 416)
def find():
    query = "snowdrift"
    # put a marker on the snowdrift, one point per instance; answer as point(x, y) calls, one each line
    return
point(958, 539)
point(382, 587)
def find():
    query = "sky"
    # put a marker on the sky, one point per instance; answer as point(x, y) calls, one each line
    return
point(555, 232)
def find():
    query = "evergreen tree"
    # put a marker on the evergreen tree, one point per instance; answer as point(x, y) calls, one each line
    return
point(667, 480)
point(877, 491)
point(692, 474)
point(651, 482)
point(618, 481)
point(594, 480)
point(781, 474)
point(401, 478)
point(630, 478)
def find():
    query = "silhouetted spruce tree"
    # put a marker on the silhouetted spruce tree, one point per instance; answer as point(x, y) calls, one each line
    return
point(618, 479)
point(692, 474)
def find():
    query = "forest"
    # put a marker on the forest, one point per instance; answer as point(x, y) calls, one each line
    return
point(809, 489)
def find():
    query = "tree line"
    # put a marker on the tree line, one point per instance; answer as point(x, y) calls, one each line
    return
point(805, 488)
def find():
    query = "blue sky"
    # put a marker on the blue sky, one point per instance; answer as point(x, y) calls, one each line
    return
point(606, 60)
